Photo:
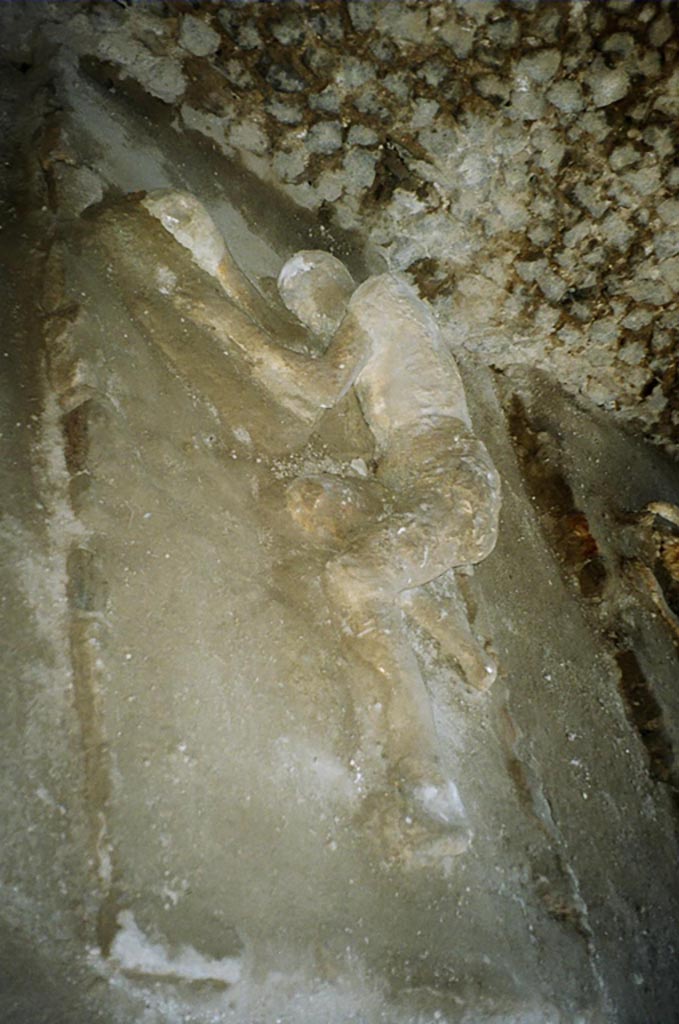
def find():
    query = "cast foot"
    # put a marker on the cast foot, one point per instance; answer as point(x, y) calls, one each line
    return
point(423, 827)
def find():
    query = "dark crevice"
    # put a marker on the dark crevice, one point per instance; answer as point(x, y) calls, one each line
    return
point(75, 426)
point(565, 525)
point(646, 715)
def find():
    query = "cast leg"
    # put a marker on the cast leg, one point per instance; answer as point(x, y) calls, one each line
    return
point(332, 508)
point(392, 701)
point(447, 622)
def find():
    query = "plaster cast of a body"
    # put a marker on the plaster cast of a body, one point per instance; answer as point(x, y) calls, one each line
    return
point(432, 505)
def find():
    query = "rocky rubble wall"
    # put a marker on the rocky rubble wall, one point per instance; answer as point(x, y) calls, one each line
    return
point(518, 159)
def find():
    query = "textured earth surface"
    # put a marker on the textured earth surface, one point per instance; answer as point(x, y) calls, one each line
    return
point(183, 834)
point(517, 159)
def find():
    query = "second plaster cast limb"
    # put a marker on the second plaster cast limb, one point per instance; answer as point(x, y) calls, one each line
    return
point(448, 624)
point(429, 529)
point(336, 510)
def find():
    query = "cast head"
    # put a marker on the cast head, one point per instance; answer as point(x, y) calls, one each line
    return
point(316, 287)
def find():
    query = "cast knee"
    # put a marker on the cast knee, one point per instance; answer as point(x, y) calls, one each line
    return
point(350, 583)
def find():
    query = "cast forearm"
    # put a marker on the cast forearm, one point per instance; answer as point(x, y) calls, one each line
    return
point(242, 292)
point(304, 385)
point(279, 370)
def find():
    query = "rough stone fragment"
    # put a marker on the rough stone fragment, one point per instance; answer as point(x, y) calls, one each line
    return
point(551, 285)
point(540, 66)
point(623, 156)
point(647, 286)
point(621, 43)
point(608, 85)
point(304, 195)
point(250, 136)
point(424, 111)
point(647, 63)
point(288, 165)
point(284, 78)
point(475, 170)
point(238, 74)
point(290, 29)
point(383, 50)
point(348, 216)
point(434, 72)
point(666, 243)
point(282, 111)
point(368, 101)
point(669, 319)
point(505, 32)
point(670, 273)
point(661, 341)
point(577, 233)
point(362, 135)
point(228, 17)
point(547, 22)
point(327, 100)
point(163, 77)
point(513, 212)
point(541, 232)
point(328, 26)
point(354, 73)
point(661, 139)
point(566, 96)
point(570, 335)
point(604, 332)
point(668, 100)
point(403, 24)
point(595, 257)
point(321, 60)
point(669, 211)
point(617, 231)
point(324, 137)
point(632, 352)
point(645, 180)
point(589, 197)
point(397, 83)
point(551, 150)
point(660, 29)
point(595, 123)
point(196, 36)
point(458, 36)
point(481, 10)
point(637, 319)
point(244, 33)
point(528, 104)
point(582, 311)
point(362, 15)
point(330, 185)
point(234, 18)
point(359, 166)
point(492, 87)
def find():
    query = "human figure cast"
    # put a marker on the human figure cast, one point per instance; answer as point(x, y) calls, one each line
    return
point(431, 505)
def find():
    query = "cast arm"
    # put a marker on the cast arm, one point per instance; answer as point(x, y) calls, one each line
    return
point(304, 385)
